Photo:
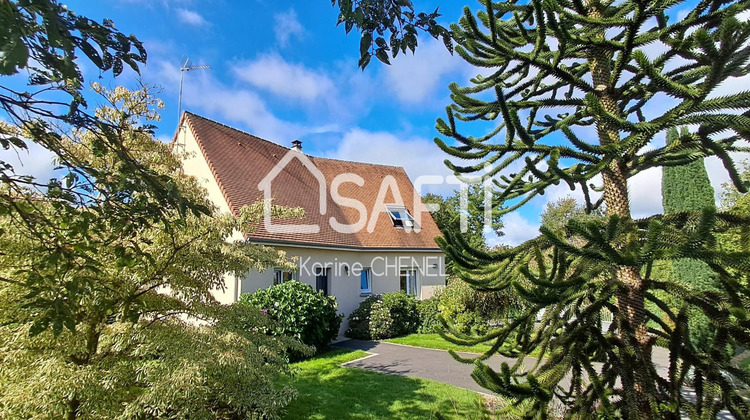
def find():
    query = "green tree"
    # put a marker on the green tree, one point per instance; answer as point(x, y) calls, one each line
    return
point(731, 198)
point(101, 265)
point(557, 215)
point(733, 201)
point(93, 316)
point(687, 188)
point(46, 41)
point(449, 211)
point(570, 83)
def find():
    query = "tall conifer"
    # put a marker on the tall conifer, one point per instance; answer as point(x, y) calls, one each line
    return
point(687, 188)
point(573, 86)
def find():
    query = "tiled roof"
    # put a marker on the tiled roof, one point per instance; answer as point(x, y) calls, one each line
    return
point(240, 161)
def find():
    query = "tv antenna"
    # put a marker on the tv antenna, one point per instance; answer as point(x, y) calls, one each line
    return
point(186, 67)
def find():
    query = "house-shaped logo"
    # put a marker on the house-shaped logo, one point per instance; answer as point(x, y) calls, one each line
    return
point(265, 186)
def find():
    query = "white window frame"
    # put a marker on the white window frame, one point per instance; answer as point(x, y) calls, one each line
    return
point(407, 283)
point(405, 221)
point(367, 272)
point(278, 275)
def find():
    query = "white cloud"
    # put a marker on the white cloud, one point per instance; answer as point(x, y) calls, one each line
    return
point(286, 26)
point(718, 174)
point(240, 107)
point(644, 189)
point(229, 105)
point(36, 161)
point(516, 228)
point(644, 193)
point(272, 73)
point(731, 86)
point(190, 17)
point(418, 156)
point(416, 78)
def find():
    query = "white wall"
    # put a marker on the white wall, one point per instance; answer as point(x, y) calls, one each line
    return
point(195, 165)
point(345, 285)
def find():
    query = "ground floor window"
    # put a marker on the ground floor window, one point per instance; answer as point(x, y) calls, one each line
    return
point(281, 276)
point(409, 281)
point(365, 281)
point(321, 280)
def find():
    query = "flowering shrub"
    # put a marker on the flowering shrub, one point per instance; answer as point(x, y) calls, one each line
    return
point(359, 320)
point(395, 315)
point(299, 312)
point(384, 316)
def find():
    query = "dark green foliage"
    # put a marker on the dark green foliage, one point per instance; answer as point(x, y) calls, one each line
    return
point(49, 43)
point(429, 315)
point(687, 188)
point(108, 329)
point(569, 286)
point(388, 27)
point(384, 316)
point(359, 320)
point(569, 95)
point(573, 111)
point(299, 312)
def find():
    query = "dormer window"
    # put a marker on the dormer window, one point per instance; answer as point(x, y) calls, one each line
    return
point(400, 216)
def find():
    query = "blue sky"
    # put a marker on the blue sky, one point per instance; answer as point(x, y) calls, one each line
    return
point(285, 71)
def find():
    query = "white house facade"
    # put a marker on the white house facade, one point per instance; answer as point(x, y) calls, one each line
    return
point(365, 229)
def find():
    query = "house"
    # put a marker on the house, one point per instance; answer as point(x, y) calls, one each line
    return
point(365, 229)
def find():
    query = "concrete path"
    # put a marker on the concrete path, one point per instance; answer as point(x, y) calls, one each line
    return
point(440, 366)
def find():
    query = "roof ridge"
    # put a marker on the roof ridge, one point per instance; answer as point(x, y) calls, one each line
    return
point(288, 148)
point(361, 163)
point(236, 129)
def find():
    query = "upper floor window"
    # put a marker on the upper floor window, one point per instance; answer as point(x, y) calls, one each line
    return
point(400, 216)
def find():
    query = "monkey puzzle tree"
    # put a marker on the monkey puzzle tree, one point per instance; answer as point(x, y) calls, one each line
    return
point(576, 89)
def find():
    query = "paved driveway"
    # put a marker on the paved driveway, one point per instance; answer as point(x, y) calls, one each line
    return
point(440, 366)
point(437, 365)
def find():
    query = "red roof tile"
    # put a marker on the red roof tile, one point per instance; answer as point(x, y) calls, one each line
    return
point(240, 161)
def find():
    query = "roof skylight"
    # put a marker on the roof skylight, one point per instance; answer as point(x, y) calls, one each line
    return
point(400, 216)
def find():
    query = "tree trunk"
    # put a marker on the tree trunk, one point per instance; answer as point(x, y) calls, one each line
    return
point(635, 344)
point(73, 405)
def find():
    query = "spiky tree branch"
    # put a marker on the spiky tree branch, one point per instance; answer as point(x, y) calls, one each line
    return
point(574, 87)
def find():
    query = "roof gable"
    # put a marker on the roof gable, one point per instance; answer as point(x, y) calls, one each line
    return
point(248, 168)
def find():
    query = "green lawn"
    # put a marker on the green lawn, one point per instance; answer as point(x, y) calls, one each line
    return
point(435, 341)
point(328, 391)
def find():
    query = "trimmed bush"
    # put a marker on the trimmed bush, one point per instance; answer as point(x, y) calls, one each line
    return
point(384, 316)
point(299, 312)
point(359, 320)
point(429, 313)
